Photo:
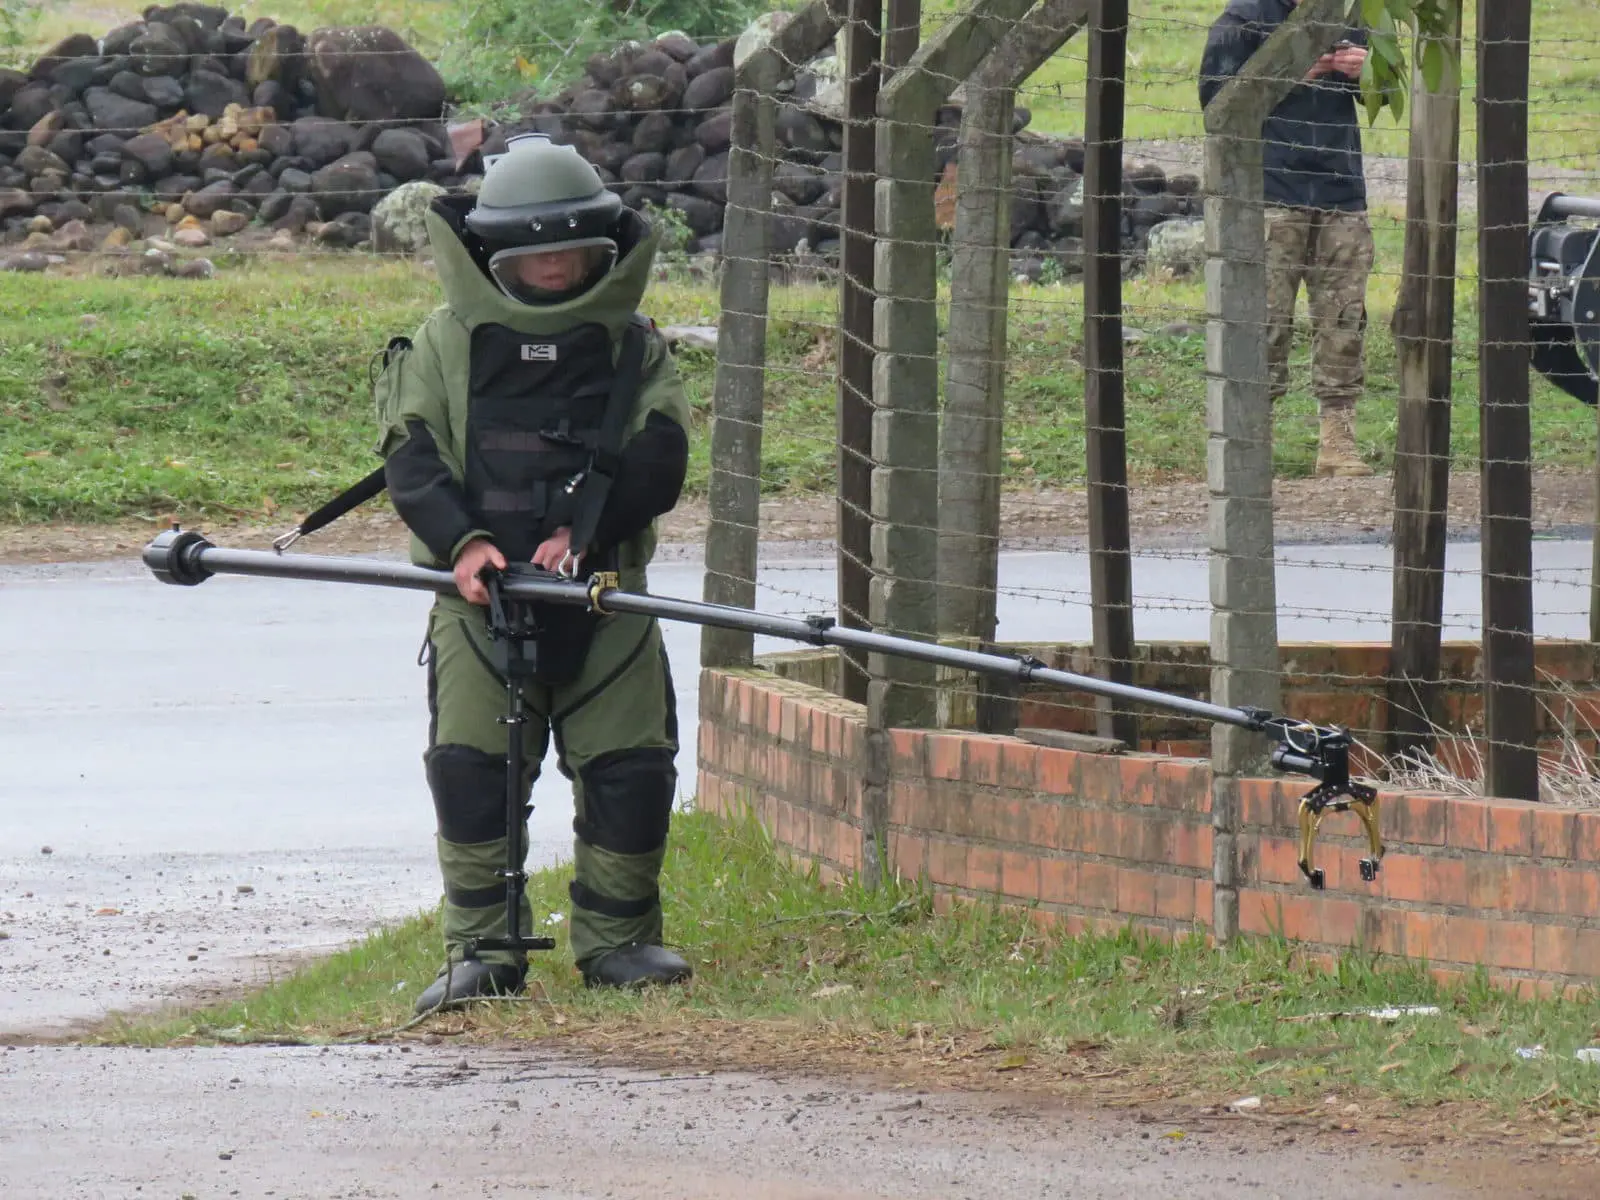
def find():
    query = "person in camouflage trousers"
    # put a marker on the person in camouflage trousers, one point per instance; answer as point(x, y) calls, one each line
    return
point(535, 379)
point(1317, 230)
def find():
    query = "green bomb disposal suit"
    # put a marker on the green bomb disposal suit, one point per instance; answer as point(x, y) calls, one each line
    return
point(484, 417)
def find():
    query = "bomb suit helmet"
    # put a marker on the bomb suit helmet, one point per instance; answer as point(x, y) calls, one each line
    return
point(545, 222)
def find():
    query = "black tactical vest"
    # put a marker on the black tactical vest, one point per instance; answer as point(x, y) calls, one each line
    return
point(533, 418)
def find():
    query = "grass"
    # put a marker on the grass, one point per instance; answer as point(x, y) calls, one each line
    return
point(148, 398)
point(877, 978)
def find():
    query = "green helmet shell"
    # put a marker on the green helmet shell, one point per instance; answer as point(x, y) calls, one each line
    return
point(537, 193)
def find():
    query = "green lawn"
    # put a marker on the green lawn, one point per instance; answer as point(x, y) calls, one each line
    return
point(845, 975)
point(150, 397)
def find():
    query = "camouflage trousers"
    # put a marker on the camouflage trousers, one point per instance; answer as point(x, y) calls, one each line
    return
point(1331, 253)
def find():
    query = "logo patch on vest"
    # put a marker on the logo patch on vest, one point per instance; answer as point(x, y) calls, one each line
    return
point(538, 352)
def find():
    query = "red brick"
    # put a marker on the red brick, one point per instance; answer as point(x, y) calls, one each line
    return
point(1511, 944)
point(1097, 886)
point(1019, 766)
point(1003, 817)
point(773, 721)
point(1586, 953)
point(1384, 930)
point(1257, 800)
point(1445, 880)
point(1510, 829)
point(947, 863)
point(1191, 845)
point(981, 760)
point(908, 854)
point(906, 746)
point(1175, 897)
point(1275, 861)
point(1203, 899)
point(1136, 893)
point(1467, 825)
point(1340, 921)
point(787, 713)
point(853, 731)
point(983, 869)
point(944, 755)
point(1100, 778)
point(1555, 833)
point(1467, 940)
point(1071, 828)
point(1058, 880)
point(907, 803)
point(1587, 849)
point(1404, 877)
point(1019, 874)
point(1488, 883)
point(819, 731)
point(1421, 819)
point(1058, 771)
point(1289, 913)
point(1185, 787)
point(1043, 828)
point(1138, 780)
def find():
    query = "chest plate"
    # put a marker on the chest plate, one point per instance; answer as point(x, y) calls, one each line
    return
point(534, 412)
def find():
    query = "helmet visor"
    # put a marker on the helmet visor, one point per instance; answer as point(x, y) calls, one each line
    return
point(550, 273)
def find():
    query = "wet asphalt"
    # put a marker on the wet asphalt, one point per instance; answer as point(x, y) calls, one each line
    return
point(203, 786)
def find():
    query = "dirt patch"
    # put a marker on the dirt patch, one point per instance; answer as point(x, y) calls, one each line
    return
point(1308, 510)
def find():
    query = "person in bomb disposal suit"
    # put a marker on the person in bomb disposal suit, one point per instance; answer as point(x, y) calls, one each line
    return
point(1316, 217)
point(494, 420)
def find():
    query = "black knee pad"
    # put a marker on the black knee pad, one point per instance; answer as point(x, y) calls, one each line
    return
point(469, 793)
point(627, 800)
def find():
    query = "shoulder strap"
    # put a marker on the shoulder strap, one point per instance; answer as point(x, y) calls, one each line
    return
point(606, 456)
point(357, 493)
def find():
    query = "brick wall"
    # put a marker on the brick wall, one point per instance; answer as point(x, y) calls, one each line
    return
point(1094, 842)
point(1331, 683)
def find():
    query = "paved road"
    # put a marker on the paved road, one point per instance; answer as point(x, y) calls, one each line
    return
point(382, 1123)
point(172, 746)
point(227, 778)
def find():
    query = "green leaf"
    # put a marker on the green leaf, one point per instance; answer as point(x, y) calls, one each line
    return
point(1433, 65)
point(1371, 11)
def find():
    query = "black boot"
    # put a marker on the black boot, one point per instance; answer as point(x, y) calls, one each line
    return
point(468, 981)
point(636, 966)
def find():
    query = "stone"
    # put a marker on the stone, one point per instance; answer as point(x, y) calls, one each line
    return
point(346, 231)
point(118, 113)
point(701, 215)
point(711, 179)
point(225, 223)
point(683, 163)
point(347, 185)
point(73, 237)
point(369, 73)
point(276, 57)
point(126, 216)
point(404, 153)
point(276, 140)
point(190, 234)
point(715, 133)
point(159, 50)
point(1178, 246)
point(211, 93)
point(399, 219)
point(77, 45)
point(708, 58)
point(118, 239)
point(46, 127)
point(40, 224)
point(653, 133)
point(36, 160)
point(274, 206)
point(67, 145)
point(194, 268)
point(118, 42)
point(211, 198)
point(29, 104)
point(294, 181)
point(322, 140)
point(643, 168)
point(281, 240)
point(28, 260)
point(710, 90)
point(163, 91)
point(151, 151)
point(301, 212)
point(680, 47)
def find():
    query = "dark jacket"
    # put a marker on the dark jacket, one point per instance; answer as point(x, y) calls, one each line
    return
point(1312, 140)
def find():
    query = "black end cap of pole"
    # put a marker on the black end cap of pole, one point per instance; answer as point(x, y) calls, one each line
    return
point(174, 557)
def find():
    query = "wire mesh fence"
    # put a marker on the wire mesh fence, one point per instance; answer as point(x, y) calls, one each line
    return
point(960, 299)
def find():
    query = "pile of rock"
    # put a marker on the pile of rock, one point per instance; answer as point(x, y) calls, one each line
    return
point(656, 121)
point(191, 107)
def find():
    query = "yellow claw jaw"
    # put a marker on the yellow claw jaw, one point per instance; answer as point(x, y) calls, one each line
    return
point(1364, 800)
